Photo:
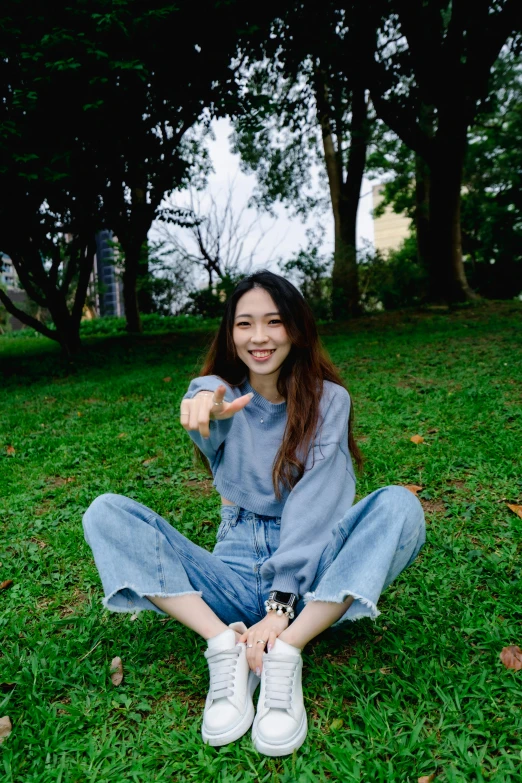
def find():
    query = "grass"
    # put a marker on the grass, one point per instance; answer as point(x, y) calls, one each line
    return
point(419, 691)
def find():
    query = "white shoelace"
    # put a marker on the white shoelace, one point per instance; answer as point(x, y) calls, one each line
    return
point(280, 671)
point(222, 666)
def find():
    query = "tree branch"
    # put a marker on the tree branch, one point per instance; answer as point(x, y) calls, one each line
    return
point(26, 318)
point(83, 280)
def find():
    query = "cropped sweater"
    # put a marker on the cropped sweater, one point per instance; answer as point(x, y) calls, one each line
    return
point(241, 452)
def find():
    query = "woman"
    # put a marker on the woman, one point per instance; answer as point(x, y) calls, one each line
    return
point(272, 418)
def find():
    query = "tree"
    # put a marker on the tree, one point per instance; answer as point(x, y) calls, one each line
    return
point(218, 238)
point(428, 81)
point(491, 206)
point(305, 99)
point(93, 119)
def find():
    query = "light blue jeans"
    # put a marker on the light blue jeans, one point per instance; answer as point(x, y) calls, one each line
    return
point(138, 553)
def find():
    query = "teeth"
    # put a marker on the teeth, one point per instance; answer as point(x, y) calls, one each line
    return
point(261, 354)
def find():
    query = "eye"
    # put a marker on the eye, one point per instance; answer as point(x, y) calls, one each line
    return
point(242, 323)
point(275, 321)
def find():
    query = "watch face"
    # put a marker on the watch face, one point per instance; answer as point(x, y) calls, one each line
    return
point(283, 598)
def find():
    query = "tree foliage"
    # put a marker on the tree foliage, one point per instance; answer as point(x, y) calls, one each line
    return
point(99, 101)
point(429, 80)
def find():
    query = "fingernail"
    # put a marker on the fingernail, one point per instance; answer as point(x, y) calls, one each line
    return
point(250, 394)
point(258, 671)
point(269, 647)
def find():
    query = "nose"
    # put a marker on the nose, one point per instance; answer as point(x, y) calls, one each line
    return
point(259, 335)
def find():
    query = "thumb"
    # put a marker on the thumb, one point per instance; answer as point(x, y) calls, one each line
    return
point(235, 406)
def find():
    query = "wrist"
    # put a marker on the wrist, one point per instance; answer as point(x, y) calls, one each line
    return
point(281, 604)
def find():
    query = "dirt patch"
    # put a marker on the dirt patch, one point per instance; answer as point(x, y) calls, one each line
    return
point(433, 506)
point(59, 481)
point(456, 483)
point(200, 486)
point(38, 541)
point(77, 599)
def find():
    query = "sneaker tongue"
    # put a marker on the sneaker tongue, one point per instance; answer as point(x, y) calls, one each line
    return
point(223, 641)
point(286, 649)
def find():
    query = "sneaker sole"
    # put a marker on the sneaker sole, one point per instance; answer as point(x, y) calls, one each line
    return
point(281, 750)
point(216, 740)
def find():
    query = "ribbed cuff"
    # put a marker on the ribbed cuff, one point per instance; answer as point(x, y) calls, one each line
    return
point(285, 582)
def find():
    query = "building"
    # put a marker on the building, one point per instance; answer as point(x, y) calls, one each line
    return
point(8, 276)
point(390, 229)
point(106, 288)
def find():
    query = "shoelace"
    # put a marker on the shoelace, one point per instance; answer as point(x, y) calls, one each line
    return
point(222, 667)
point(279, 680)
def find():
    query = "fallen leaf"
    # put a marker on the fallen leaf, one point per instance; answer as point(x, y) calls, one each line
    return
point(5, 728)
point(122, 435)
point(511, 657)
point(149, 461)
point(116, 671)
point(433, 430)
point(515, 509)
point(11, 450)
point(417, 439)
point(413, 488)
point(79, 413)
point(6, 584)
point(167, 379)
point(427, 778)
point(336, 724)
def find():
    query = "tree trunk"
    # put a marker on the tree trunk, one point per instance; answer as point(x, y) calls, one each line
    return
point(145, 301)
point(422, 211)
point(446, 269)
point(344, 196)
point(345, 274)
point(130, 280)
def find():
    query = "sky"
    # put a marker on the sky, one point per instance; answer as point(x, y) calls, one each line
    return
point(272, 239)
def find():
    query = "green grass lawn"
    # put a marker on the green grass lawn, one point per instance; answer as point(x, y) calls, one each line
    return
point(419, 691)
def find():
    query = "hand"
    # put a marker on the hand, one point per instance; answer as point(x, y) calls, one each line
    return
point(195, 414)
point(268, 629)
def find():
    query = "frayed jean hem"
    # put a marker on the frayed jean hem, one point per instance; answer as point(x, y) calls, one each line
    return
point(137, 601)
point(359, 608)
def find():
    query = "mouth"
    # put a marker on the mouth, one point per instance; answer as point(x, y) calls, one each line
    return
point(261, 356)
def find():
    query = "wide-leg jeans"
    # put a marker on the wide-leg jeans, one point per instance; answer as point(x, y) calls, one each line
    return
point(139, 554)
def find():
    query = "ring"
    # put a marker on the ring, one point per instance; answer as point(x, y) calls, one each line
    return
point(260, 641)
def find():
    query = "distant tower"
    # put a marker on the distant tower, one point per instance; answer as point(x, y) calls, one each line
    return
point(110, 294)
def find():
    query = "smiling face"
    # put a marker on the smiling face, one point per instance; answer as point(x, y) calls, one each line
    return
point(259, 335)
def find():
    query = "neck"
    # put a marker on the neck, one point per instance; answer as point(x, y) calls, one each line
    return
point(266, 386)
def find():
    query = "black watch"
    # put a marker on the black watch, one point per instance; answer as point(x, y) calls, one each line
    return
point(281, 603)
point(289, 599)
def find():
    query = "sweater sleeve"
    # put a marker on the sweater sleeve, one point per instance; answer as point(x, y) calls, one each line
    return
point(315, 504)
point(218, 429)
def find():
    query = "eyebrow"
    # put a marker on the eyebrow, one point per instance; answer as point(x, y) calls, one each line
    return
point(247, 315)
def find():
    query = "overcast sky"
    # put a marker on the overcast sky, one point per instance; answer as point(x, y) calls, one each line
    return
point(276, 238)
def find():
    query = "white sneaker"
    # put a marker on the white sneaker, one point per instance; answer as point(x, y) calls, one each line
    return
point(229, 710)
point(280, 725)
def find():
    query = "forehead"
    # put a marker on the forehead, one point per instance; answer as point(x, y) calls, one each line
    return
point(256, 302)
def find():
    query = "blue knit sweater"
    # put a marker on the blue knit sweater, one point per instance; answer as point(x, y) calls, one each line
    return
point(241, 453)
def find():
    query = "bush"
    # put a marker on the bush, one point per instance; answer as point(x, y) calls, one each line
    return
point(312, 273)
point(394, 281)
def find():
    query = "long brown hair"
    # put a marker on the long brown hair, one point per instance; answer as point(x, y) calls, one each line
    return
point(301, 377)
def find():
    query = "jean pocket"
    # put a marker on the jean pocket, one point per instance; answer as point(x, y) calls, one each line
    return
point(229, 517)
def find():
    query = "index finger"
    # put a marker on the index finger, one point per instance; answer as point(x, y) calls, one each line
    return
point(219, 394)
